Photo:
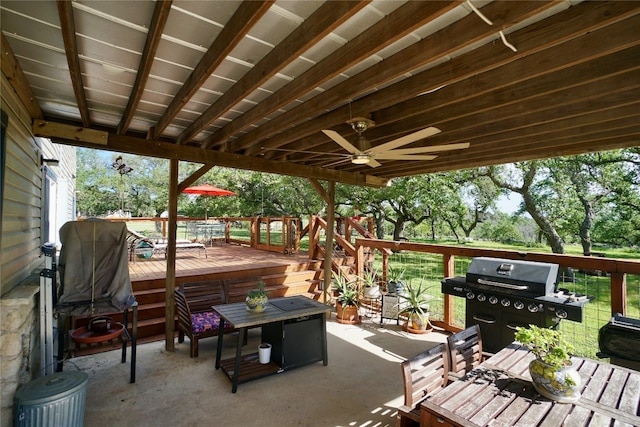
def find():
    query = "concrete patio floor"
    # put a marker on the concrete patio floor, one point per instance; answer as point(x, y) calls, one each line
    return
point(361, 386)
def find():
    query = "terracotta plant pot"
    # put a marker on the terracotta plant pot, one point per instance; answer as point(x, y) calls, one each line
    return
point(347, 314)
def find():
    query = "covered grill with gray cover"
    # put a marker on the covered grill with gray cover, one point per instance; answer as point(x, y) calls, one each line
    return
point(94, 270)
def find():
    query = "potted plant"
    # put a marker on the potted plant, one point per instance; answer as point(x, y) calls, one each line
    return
point(552, 371)
point(347, 299)
point(415, 304)
point(395, 284)
point(370, 285)
point(257, 299)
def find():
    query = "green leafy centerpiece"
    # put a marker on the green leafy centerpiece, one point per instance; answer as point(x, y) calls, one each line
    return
point(552, 371)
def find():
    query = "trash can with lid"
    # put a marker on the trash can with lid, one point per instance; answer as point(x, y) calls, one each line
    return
point(52, 400)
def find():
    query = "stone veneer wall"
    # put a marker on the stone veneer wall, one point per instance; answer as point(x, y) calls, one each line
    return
point(19, 342)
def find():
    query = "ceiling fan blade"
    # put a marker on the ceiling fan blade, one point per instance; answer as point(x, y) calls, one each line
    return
point(309, 152)
point(431, 149)
point(341, 141)
point(392, 155)
point(407, 139)
point(373, 164)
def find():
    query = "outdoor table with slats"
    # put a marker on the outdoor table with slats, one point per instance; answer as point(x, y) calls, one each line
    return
point(302, 316)
point(499, 392)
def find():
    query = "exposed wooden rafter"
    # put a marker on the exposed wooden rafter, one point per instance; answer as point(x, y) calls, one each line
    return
point(68, 29)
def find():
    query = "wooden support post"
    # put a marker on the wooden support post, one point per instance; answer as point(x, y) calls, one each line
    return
point(449, 270)
point(328, 246)
point(618, 293)
point(170, 283)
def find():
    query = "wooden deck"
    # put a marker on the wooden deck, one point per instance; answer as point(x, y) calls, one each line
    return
point(222, 259)
point(284, 275)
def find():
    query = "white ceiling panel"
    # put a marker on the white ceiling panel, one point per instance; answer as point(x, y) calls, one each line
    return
point(250, 51)
point(137, 13)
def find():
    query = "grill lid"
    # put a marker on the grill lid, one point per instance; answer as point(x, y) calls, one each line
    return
point(513, 276)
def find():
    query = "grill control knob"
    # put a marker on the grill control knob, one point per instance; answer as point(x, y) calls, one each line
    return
point(482, 297)
point(493, 299)
point(519, 305)
point(505, 302)
point(470, 295)
point(561, 314)
point(533, 308)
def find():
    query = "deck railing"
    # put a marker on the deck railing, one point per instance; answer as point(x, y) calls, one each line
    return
point(275, 234)
point(612, 284)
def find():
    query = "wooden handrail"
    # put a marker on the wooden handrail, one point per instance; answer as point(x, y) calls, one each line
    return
point(617, 268)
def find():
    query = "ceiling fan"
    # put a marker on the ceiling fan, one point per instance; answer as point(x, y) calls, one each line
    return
point(361, 152)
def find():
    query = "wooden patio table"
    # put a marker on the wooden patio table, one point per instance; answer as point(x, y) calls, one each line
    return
point(499, 392)
point(299, 316)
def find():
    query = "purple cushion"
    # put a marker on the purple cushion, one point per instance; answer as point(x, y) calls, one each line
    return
point(203, 322)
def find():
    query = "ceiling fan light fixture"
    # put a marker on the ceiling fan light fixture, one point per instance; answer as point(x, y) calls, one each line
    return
point(360, 159)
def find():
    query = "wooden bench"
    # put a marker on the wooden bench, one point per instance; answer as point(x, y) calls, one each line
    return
point(195, 317)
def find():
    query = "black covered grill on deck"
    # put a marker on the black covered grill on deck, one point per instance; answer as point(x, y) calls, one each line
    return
point(502, 294)
point(619, 340)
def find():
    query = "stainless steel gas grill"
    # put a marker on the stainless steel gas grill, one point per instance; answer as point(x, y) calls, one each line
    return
point(502, 294)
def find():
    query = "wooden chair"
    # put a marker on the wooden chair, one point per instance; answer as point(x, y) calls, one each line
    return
point(196, 319)
point(422, 375)
point(465, 351)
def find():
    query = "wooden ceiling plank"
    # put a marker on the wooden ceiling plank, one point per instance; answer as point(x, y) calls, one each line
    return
point(589, 47)
point(569, 150)
point(492, 56)
point(14, 74)
point(449, 112)
point(573, 149)
point(68, 29)
point(483, 59)
point(323, 21)
point(545, 146)
point(71, 135)
point(555, 119)
point(156, 27)
point(388, 30)
point(245, 17)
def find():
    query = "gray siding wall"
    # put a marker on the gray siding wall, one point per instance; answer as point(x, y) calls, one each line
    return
point(20, 242)
point(20, 239)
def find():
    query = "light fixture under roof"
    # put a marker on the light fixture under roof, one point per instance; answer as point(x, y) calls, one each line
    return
point(360, 159)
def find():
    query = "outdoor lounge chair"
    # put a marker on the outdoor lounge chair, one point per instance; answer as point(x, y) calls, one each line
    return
point(145, 247)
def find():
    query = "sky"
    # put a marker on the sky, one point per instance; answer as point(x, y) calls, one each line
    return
point(509, 204)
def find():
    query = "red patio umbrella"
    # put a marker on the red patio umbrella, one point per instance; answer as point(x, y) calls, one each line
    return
point(208, 190)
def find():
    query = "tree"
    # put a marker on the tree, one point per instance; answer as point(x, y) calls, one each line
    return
point(528, 179)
